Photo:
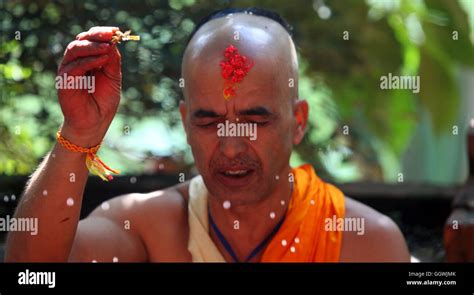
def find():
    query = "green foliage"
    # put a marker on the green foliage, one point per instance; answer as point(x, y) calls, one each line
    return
point(339, 78)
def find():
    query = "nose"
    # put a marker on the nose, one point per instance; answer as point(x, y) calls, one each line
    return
point(232, 147)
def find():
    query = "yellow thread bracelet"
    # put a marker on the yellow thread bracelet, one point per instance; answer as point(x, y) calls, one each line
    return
point(93, 162)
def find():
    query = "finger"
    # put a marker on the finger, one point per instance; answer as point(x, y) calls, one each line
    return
point(113, 68)
point(84, 48)
point(98, 34)
point(83, 65)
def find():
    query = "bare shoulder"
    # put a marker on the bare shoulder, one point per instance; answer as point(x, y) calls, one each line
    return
point(145, 207)
point(154, 224)
point(380, 239)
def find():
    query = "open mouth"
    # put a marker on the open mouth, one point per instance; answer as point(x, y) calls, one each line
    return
point(236, 173)
point(235, 176)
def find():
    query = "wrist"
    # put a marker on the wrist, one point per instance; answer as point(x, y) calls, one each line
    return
point(87, 144)
point(83, 138)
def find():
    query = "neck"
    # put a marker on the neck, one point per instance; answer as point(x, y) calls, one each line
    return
point(246, 226)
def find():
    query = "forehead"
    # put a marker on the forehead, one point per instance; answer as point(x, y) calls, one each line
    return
point(251, 93)
point(262, 40)
point(264, 85)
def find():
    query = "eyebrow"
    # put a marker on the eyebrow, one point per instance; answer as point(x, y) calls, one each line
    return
point(257, 111)
point(201, 113)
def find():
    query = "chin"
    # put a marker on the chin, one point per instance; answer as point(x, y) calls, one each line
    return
point(236, 196)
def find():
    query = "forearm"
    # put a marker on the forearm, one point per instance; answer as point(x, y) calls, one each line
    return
point(53, 196)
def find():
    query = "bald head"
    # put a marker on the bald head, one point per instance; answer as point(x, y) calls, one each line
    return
point(266, 99)
point(264, 41)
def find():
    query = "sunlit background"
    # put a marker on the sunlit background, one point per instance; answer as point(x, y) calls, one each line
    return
point(392, 136)
point(419, 135)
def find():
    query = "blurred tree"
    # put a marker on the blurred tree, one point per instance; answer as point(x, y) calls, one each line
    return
point(340, 76)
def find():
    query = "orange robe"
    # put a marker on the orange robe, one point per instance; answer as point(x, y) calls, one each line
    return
point(302, 236)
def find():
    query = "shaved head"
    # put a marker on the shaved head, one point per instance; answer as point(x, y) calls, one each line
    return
point(267, 97)
point(261, 39)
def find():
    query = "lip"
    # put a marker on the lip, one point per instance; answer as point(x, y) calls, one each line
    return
point(231, 181)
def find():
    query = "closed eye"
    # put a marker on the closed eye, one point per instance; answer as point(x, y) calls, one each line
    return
point(207, 124)
point(260, 123)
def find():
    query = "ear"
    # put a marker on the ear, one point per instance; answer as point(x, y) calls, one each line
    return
point(182, 111)
point(300, 113)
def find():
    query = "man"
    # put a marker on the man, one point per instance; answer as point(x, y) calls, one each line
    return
point(248, 204)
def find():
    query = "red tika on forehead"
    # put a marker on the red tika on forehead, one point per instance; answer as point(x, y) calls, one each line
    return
point(234, 68)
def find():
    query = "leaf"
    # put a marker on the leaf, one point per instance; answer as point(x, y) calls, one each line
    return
point(438, 91)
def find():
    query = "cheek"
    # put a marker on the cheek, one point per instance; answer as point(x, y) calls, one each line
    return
point(202, 144)
point(273, 142)
point(277, 135)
